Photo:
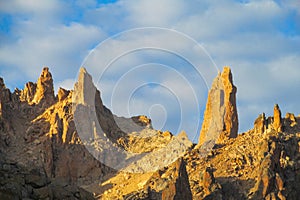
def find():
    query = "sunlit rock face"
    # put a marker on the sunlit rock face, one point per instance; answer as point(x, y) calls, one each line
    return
point(59, 147)
point(220, 116)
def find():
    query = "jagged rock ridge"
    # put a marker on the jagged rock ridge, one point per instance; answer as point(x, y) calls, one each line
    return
point(42, 155)
point(39, 134)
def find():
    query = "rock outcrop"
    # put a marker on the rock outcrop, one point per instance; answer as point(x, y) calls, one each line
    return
point(211, 189)
point(260, 124)
point(220, 116)
point(27, 94)
point(275, 123)
point(290, 122)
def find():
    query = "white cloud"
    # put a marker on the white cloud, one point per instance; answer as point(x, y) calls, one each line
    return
point(29, 6)
point(61, 48)
point(155, 12)
point(66, 84)
point(40, 38)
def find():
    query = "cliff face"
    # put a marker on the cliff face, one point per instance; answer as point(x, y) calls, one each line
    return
point(71, 146)
point(220, 116)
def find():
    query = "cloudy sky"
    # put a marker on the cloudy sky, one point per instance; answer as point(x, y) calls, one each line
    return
point(260, 40)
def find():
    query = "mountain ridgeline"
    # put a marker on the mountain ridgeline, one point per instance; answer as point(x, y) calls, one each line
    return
point(70, 146)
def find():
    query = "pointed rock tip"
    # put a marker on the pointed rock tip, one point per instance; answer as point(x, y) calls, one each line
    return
point(46, 73)
point(226, 70)
point(46, 69)
point(82, 70)
point(84, 75)
point(276, 107)
point(226, 74)
point(182, 134)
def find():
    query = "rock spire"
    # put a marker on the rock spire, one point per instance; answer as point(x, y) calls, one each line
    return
point(277, 123)
point(44, 89)
point(220, 117)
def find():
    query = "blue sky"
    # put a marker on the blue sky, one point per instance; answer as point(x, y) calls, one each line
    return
point(260, 40)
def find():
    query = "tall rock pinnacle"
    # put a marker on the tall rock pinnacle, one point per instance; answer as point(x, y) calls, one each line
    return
point(88, 104)
point(277, 123)
point(44, 89)
point(84, 90)
point(220, 117)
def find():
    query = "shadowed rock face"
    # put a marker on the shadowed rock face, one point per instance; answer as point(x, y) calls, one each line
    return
point(220, 117)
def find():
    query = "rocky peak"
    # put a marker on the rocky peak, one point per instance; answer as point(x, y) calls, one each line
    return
point(62, 94)
point(87, 100)
point(44, 90)
point(84, 89)
point(27, 94)
point(220, 117)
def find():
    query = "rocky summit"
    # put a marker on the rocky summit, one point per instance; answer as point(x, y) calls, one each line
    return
point(70, 146)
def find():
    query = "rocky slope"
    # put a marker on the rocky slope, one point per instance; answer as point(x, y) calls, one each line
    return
point(259, 164)
point(70, 146)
